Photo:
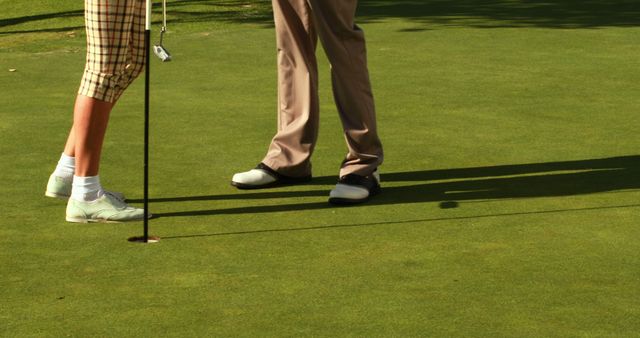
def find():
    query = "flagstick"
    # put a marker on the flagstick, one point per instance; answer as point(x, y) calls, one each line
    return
point(147, 48)
point(147, 45)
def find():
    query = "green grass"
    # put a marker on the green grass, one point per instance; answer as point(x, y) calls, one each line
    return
point(510, 185)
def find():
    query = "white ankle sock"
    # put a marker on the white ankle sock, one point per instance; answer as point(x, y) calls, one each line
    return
point(66, 167)
point(86, 189)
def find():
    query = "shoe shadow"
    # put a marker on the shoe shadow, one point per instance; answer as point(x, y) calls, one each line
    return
point(452, 186)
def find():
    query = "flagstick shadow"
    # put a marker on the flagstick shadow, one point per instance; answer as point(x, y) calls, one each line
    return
point(425, 220)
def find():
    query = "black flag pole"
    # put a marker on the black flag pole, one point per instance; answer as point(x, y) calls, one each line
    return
point(147, 45)
point(147, 48)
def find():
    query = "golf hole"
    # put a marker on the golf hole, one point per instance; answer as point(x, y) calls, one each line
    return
point(140, 239)
point(448, 205)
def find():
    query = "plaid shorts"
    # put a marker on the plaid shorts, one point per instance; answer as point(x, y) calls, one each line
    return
point(115, 47)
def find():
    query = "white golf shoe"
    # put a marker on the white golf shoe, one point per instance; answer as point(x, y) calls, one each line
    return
point(106, 209)
point(59, 187)
point(264, 177)
point(353, 189)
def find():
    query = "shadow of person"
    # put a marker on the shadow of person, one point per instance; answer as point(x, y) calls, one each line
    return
point(450, 186)
point(492, 13)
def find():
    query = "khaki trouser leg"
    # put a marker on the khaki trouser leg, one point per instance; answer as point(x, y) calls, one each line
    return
point(296, 24)
point(344, 44)
point(298, 108)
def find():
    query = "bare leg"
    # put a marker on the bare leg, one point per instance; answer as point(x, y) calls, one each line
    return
point(90, 120)
point(70, 146)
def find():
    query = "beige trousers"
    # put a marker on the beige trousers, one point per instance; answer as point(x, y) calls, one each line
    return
point(299, 23)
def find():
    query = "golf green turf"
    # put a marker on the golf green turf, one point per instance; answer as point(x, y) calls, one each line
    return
point(511, 182)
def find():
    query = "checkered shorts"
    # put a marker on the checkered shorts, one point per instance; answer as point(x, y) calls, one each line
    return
point(115, 47)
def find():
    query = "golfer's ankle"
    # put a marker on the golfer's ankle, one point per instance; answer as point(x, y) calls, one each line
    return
point(86, 189)
point(66, 167)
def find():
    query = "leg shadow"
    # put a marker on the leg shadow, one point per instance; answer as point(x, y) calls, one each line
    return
point(566, 178)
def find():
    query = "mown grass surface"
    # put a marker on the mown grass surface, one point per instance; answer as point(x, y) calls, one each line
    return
point(510, 199)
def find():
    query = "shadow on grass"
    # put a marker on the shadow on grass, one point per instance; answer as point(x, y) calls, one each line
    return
point(455, 186)
point(423, 220)
point(425, 13)
point(506, 13)
point(40, 17)
point(183, 11)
